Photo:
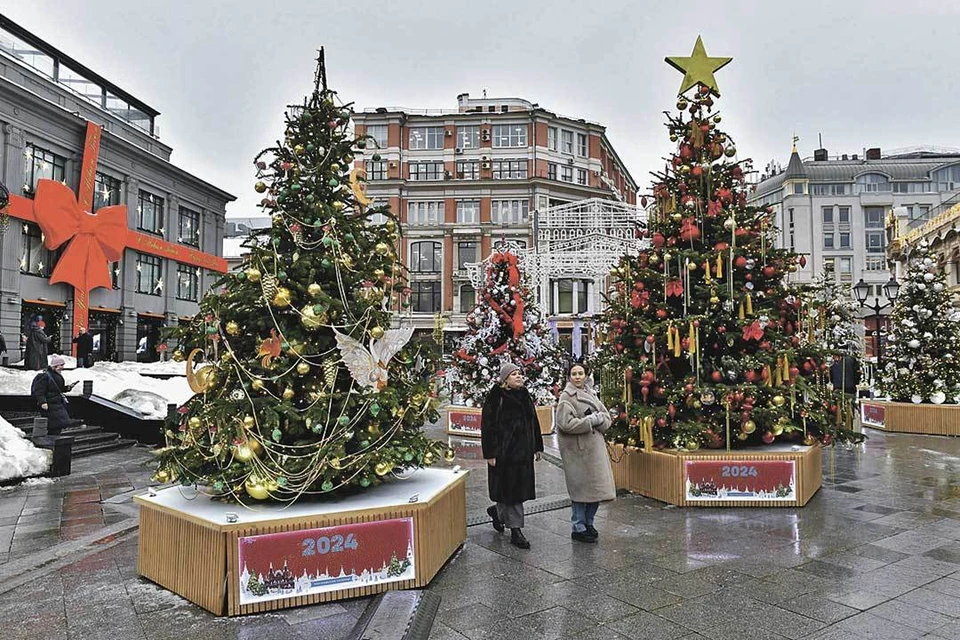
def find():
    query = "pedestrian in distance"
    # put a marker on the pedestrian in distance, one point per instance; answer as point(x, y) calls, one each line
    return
point(48, 389)
point(581, 420)
point(37, 346)
point(84, 342)
point(511, 442)
point(3, 344)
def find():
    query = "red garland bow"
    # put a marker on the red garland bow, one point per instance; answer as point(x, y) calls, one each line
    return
point(674, 288)
point(97, 239)
point(753, 331)
point(689, 230)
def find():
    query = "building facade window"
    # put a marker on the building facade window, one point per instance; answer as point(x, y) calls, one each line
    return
point(843, 215)
point(509, 135)
point(846, 268)
point(376, 169)
point(873, 183)
point(552, 138)
point(189, 227)
point(798, 188)
point(830, 189)
point(468, 136)
point(468, 170)
point(150, 212)
point(566, 173)
point(946, 179)
point(874, 235)
point(918, 212)
point(569, 296)
point(582, 176)
point(582, 145)
point(426, 138)
point(566, 141)
point(425, 296)
point(35, 259)
point(827, 215)
point(844, 239)
point(426, 257)
point(551, 171)
point(828, 240)
point(914, 187)
point(378, 133)
point(509, 211)
point(39, 163)
point(509, 169)
point(875, 263)
point(791, 230)
point(466, 254)
point(468, 211)
point(188, 282)
point(149, 274)
point(420, 171)
point(428, 212)
point(468, 298)
point(106, 191)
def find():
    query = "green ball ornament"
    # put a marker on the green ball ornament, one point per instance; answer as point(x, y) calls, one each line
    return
point(281, 275)
point(307, 117)
point(311, 147)
point(361, 144)
point(377, 157)
point(327, 241)
point(241, 275)
point(343, 420)
point(325, 263)
point(334, 182)
point(364, 482)
point(327, 485)
point(295, 187)
point(310, 198)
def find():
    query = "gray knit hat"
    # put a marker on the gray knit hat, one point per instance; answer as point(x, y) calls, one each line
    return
point(506, 369)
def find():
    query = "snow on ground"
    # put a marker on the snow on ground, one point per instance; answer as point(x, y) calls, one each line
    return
point(118, 381)
point(18, 456)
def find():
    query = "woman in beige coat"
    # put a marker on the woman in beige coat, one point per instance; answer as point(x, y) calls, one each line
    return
point(581, 420)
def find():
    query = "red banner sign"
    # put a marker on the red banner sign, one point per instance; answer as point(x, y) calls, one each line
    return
point(463, 421)
point(92, 240)
point(274, 566)
point(744, 480)
point(873, 414)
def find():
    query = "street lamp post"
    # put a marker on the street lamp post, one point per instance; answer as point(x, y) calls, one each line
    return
point(890, 291)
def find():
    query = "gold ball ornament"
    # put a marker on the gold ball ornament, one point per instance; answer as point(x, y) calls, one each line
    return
point(194, 423)
point(243, 453)
point(338, 205)
point(778, 400)
point(335, 463)
point(260, 187)
point(428, 458)
point(249, 422)
point(281, 298)
point(809, 440)
point(253, 274)
point(742, 435)
point(255, 489)
point(382, 248)
point(676, 216)
point(714, 300)
point(378, 273)
point(376, 333)
point(178, 356)
point(314, 290)
point(449, 455)
point(257, 385)
point(347, 261)
point(254, 446)
point(303, 368)
point(233, 328)
point(382, 468)
point(777, 429)
point(162, 476)
point(693, 445)
point(288, 393)
point(309, 318)
point(749, 426)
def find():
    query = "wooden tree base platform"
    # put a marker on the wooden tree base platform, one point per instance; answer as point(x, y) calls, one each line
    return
point(208, 551)
point(718, 478)
point(906, 417)
point(465, 421)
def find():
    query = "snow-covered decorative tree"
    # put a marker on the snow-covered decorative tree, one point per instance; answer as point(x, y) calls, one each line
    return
point(306, 388)
point(834, 316)
point(922, 356)
point(505, 326)
point(707, 343)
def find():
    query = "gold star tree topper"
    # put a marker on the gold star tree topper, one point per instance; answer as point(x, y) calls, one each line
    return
point(698, 68)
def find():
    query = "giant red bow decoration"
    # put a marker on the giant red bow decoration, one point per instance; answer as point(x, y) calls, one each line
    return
point(753, 331)
point(674, 288)
point(97, 240)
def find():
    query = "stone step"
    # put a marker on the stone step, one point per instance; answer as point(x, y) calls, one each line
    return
point(82, 449)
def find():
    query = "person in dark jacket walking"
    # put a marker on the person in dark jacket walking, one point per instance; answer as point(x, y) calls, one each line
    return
point(47, 389)
point(84, 342)
point(845, 373)
point(3, 344)
point(37, 346)
point(511, 441)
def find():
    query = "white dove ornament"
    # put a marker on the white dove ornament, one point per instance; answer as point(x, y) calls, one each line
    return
point(369, 368)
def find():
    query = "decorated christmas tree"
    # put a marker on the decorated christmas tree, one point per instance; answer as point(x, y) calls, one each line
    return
point(505, 326)
point(921, 355)
point(707, 344)
point(306, 389)
point(833, 315)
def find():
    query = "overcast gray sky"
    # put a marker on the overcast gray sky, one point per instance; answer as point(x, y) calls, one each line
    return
point(864, 73)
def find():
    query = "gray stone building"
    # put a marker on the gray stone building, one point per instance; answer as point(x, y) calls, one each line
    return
point(46, 100)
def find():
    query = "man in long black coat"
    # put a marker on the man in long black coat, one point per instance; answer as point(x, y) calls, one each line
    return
point(38, 343)
point(511, 441)
point(47, 390)
point(84, 342)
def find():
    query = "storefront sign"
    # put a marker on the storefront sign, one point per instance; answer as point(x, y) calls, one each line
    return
point(873, 415)
point(463, 421)
point(274, 566)
point(740, 480)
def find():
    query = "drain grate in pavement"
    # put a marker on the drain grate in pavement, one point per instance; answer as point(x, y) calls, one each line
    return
point(540, 505)
point(397, 615)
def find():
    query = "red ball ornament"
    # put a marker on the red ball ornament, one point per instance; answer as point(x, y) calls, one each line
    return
point(722, 329)
point(661, 422)
point(739, 262)
point(716, 376)
point(721, 246)
point(697, 171)
point(769, 271)
point(651, 339)
point(662, 313)
point(750, 375)
point(768, 437)
point(657, 239)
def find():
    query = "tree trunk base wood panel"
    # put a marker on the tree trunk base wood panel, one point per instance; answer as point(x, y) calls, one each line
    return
point(777, 476)
point(906, 417)
point(232, 560)
point(465, 421)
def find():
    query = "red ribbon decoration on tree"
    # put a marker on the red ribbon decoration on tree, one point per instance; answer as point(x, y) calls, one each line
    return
point(513, 279)
point(96, 240)
point(753, 331)
point(674, 288)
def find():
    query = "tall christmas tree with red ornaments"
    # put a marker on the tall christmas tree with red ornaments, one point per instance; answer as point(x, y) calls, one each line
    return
point(708, 343)
point(505, 326)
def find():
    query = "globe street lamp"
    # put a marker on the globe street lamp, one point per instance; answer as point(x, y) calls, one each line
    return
point(890, 290)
